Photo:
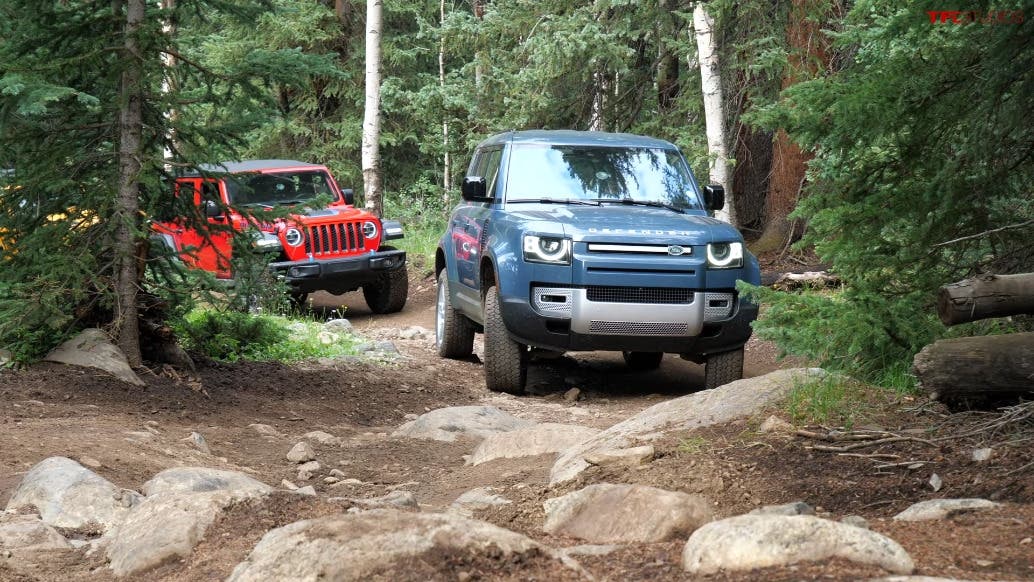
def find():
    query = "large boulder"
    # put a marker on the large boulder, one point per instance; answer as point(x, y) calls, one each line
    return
point(165, 527)
point(26, 537)
point(92, 348)
point(606, 513)
point(68, 495)
point(540, 439)
point(738, 399)
point(747, 542)
point(942, 508)
point(449, 424)
point(202, 479)
point(354, 546)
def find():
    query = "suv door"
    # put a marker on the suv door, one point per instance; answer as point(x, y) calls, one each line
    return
point(211, 250)
point(467, 229)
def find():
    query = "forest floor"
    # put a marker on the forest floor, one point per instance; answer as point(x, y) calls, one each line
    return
point(128, 434)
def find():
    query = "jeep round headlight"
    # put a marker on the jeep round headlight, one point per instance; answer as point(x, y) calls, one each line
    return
point(370, 229)
point(294, 237)
point(547, 249)
point(725, 255)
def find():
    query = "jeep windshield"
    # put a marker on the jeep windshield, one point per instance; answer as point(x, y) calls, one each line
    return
point(279, 188)
point(601, 174)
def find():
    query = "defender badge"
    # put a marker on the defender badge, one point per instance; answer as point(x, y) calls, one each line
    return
point(675, 250)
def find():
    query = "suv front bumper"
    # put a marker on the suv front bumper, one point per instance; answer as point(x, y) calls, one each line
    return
point(338, 275)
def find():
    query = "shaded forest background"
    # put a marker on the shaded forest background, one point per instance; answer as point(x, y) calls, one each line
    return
point(896, 145)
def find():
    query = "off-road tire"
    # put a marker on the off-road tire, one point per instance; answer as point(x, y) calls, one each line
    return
point(643, 361)
point(506, 361)
point(454, 334)
point(388, 293)
point(720, 369)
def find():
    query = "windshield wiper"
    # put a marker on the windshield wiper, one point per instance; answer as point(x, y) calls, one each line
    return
point(650, 203)
point(555, 201)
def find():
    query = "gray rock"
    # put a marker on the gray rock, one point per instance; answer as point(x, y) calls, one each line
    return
point(66, 494)
point(747, 542)
point(354, 546)
point(327, 338)
point(164, 527)
point(572, 395)
point(855, 520)
point(323, 438)
point(396, 499)
point(265, 430)
point(774, 424)
point(942, 508)
point(301, 453)
point(199, 442)
point(607, 513)
point(337, 473)
point(341, 326)
point(448, 424)
point(737, 399)
point(477, 500)
point(202, 479)
point(414, 332)
point(90, 462)
point(92, 348)
point(307, 470)
point(6, 357)
point(628, 457)
point(307, 490)
point(288, 485)
point(26, 536)
point(539, 439)
point(794, 508)
point(981, 455)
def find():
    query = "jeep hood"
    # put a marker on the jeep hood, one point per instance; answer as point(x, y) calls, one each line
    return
point(615, 223)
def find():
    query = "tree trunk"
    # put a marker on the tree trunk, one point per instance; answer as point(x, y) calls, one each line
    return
point(169, 85)
point(667, 63)
point(599, 101)
point(977, 368)
point(343, 10)
point(446, 159)
point(714, 111)
point(372, 116)
point(127, 203)
point(986, 296)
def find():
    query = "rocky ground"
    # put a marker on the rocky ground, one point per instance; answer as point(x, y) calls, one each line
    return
point(599, 473)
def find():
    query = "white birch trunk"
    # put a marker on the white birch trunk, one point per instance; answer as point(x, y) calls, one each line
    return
point(372, 116)
point(446, 159)
point(169, 85)
point(714, 114)
point(599, 96)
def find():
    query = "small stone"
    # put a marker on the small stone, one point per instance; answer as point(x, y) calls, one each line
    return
point(199, 442)
point(774, 424)
point(983, 563)
point(1026, 541)
point(855, 520)
point(631, 456)
point(414, 332)
point(411, 416)
point(323, 438)
point(288, 485)
point(330, 480)
point(90, 462)
point(572, 394)
point(349, 482)
point(307, 470)
point(337, 473)
point(981, 455)
point(942, 508)
point(264, 429)
point(936, 482)
point(328, 338)
point(307, 490)
point(301, 453)
point(338, 326)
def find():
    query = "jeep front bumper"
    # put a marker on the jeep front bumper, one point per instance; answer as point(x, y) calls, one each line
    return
point(337, 275)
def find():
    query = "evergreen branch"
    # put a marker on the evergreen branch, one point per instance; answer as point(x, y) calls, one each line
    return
point(985, 233)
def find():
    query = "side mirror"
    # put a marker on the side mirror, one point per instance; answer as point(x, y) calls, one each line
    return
point(714, 197)
point(212, 209)
point(474, 188)
point(349, 196)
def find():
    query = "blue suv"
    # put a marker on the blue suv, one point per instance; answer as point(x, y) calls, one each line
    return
point(578, 241)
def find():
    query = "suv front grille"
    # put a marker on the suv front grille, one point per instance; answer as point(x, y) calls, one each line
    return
point(669, 295)
point(638, 327)
point(330, 239)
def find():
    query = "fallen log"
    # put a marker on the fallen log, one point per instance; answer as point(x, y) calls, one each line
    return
point(986, 296)
point(977, 368)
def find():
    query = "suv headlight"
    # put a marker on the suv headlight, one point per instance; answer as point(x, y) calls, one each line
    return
point(547, 249)
point(294, 237)
point(369, 229)
point(725, 255)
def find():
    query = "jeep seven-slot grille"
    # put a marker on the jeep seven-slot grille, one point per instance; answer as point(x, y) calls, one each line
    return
point(670, 295)
point(329, 239)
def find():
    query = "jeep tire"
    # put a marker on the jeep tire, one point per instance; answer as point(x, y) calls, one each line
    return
point(388, 293)
point(453, 333)
point(720, 369)
point(506, 361)
point(643, 361)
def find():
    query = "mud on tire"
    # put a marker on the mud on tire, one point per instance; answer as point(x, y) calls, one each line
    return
point(454, 334)
point(723, 368)
point(506, 361)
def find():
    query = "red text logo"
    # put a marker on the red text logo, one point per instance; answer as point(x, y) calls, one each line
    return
point(975, 16)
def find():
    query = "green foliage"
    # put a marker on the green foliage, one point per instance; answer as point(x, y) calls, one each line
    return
point(922, 145)
point(832, 400)
point(423, 213)
point(233, 335)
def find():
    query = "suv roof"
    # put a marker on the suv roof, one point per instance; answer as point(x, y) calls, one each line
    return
point(571, 137)
point(250, 166)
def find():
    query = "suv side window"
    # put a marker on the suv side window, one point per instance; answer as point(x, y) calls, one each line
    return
point(490, 170)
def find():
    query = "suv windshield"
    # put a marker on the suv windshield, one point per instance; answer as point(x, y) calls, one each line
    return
point(279, 188)
point(604, 174)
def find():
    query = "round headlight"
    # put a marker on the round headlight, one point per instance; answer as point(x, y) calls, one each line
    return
point(293, 237)
point(720, 252)
point(370, 229)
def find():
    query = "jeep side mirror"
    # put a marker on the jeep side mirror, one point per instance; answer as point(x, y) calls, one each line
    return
point(212, 209)
point(474, 189)
point(349, 196)
point(714, 197)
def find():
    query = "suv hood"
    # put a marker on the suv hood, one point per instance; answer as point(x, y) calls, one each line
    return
point(617, 223)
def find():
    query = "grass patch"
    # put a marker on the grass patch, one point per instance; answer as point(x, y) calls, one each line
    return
point(232, 336)
point(424, 215)
point(833, 399)
point(692, 445)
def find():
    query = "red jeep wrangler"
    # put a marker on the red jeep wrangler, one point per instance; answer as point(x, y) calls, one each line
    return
point(338, 248)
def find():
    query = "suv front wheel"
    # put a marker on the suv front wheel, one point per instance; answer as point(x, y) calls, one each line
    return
point(720, 369)
point(506, 361)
